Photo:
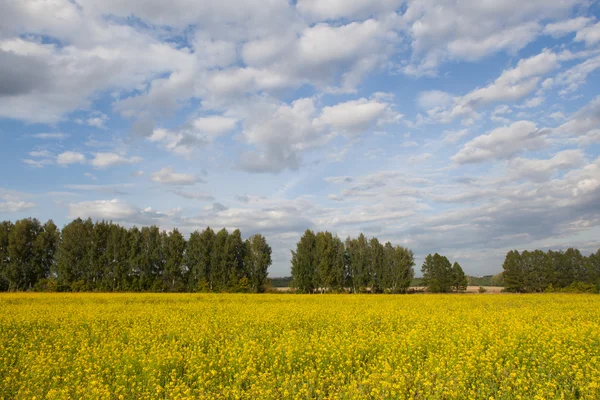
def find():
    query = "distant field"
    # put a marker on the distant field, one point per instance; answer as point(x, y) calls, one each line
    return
point(135, 346)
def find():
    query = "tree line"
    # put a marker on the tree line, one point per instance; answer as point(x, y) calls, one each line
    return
point(538, 271)
point(103, 256)
point(323, 262)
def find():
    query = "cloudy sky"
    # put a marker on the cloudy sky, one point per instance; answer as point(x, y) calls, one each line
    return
point(467, 127)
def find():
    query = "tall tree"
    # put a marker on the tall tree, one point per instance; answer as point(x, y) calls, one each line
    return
point(198, 259)
point(324, 261)
point(513, 273)
point(437, 273)
point(304, 263)
point(72, 259)
point(459, 279)
point(219, 276)
point(376, 266)
point(24, 267)
point(402, 270)
point(339, 272)
point(46, 246)
point(233, 261)
point(5, 228)
point(118, 273)
point(174, 251)
point(257, 261)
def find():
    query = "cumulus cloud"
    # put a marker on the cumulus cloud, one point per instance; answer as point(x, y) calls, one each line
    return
point(166, 176)
point(502, 143)
point(452, 29)
point(542, 170)
point(105, 160)
point(305, 128)
point(70, 157)
point(10, 206)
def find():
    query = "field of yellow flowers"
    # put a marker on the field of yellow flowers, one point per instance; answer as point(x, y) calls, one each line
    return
point(136, 346)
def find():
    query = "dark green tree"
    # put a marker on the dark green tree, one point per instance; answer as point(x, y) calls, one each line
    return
point(198, 259)
point(257, 260)
point(24, 268)
point(514, 276)
point(174, 251)
point(219, 275)
point(233, 262)
point(437, 273)
point(459, 279)
point(304, 263)
point(5, 228)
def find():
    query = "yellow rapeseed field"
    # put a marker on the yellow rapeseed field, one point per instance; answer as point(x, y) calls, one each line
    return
point(142, 346)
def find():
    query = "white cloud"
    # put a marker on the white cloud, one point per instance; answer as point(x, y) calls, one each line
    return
point(194, 195)
point(534, 102)
point(11, 206)
point(105, 160)
point(281, 133)
point(101, 209)
point(541, 170)
point(584, 125)
point(576, 76)
point(70, 157)
point(502, 143)
point(99, 120)
point(356, 116)
point(419, 158)
point(513, 84)
point(166, 176)
point(194, 134)
point(443, 30)
point(433, 99)
point(454, 136)
point(590, 34)
point(334, 9)
point(561, 28)
point(51, 135)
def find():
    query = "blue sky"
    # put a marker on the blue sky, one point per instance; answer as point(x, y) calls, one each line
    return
point(464, 127)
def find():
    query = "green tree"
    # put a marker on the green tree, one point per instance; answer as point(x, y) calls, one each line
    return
point(198, 259)
point(233, 261)
point(339, 271)
point(5, 228)
point(402, 269)
point(324, 261)
point(46, 246)
point(304, 263)
point(437, 273)
point(514, 277)
point(376, 266)
point(359, 263)
point(72, 262)
point(257, 261)
point(219, 276)
point(118, 274)
point(459, 279)
point(24, 266)
point(174, 250)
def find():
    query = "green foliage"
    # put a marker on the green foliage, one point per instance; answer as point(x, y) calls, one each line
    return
point(323, 262)
point(304, 263)
point(103, 256)
point(459, 279)
point(482, 289)
point(536, 271)
point(256, 263)
point(438, 275)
